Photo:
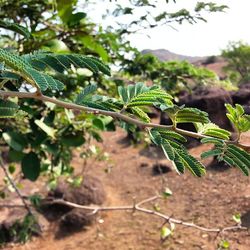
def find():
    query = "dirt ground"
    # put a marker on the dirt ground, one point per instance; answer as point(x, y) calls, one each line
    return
point(208, 201)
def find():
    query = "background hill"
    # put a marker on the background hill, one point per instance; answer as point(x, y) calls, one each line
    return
point(213, 63)
point(166, 55)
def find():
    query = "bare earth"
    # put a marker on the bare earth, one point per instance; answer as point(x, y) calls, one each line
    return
point(210, 201)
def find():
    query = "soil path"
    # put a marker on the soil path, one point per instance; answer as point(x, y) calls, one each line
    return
point(210, 201)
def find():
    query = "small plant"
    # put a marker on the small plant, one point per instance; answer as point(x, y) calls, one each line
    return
point(20, 231)
point(224, 244)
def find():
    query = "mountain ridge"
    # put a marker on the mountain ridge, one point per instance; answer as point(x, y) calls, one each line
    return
point(166, 55)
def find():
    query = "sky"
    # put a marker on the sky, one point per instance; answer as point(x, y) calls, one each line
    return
point(202, 39)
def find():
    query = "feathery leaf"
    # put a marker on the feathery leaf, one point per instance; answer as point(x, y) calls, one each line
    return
point(85, 93)
point(175, 152)
point(61, 62)
point(191, 115)
point(210, 153)
point(212, 130)
point(7, 109)
point(140, 114)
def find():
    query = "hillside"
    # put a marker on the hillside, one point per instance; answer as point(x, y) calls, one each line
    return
point(213, 63)
point(166, 55)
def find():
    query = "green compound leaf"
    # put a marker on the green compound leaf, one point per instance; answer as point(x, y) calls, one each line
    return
point(191, 115)
point(236, 162)
point(211, 140)
point(175, 152)
point(101, 102)
point(229, 153)
point(195, 167)
point(171, 135)
point(178, 164)
point(85, 93)
point(28, 66)
point(240, 153)
point(238, 117)
point(12, 60)
point(96, 105)
point(140, 114)
point(43, 80)
point(31, 166)
point(240, 158)
point(141, 95)
point(212, 130)
point(155, 137)
point(211, 153)
point(61, 62)
point(168, 150)
point(8, 109)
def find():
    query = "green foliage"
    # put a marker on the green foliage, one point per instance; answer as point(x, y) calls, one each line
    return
point(15, 140)
point(165, 233)
point(224, 244)
point(185, 115)
point(85, 94)
point(172, 76)
point(43, 81)
point(133, 99)
point(191, 115)
point(8, 109)
point(213, 7)
point(15, 27)
point(229, 153)
point(24, 66)
point(140, 95)
point(20, 231)
point(237, 218)
point(170, 143)
point(237, 55)
point(237, 116)
point(138, 112)
point(213, 130)
point(149, 18)
point(62, 62)
point(31, 166)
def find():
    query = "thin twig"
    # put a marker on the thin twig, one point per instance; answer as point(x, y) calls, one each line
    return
point(14, 186)
point(12, 206)
point(25, 204)
point(137, 207)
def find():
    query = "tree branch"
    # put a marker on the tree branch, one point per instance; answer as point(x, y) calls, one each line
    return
point(137, 207)
point(116, 115)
